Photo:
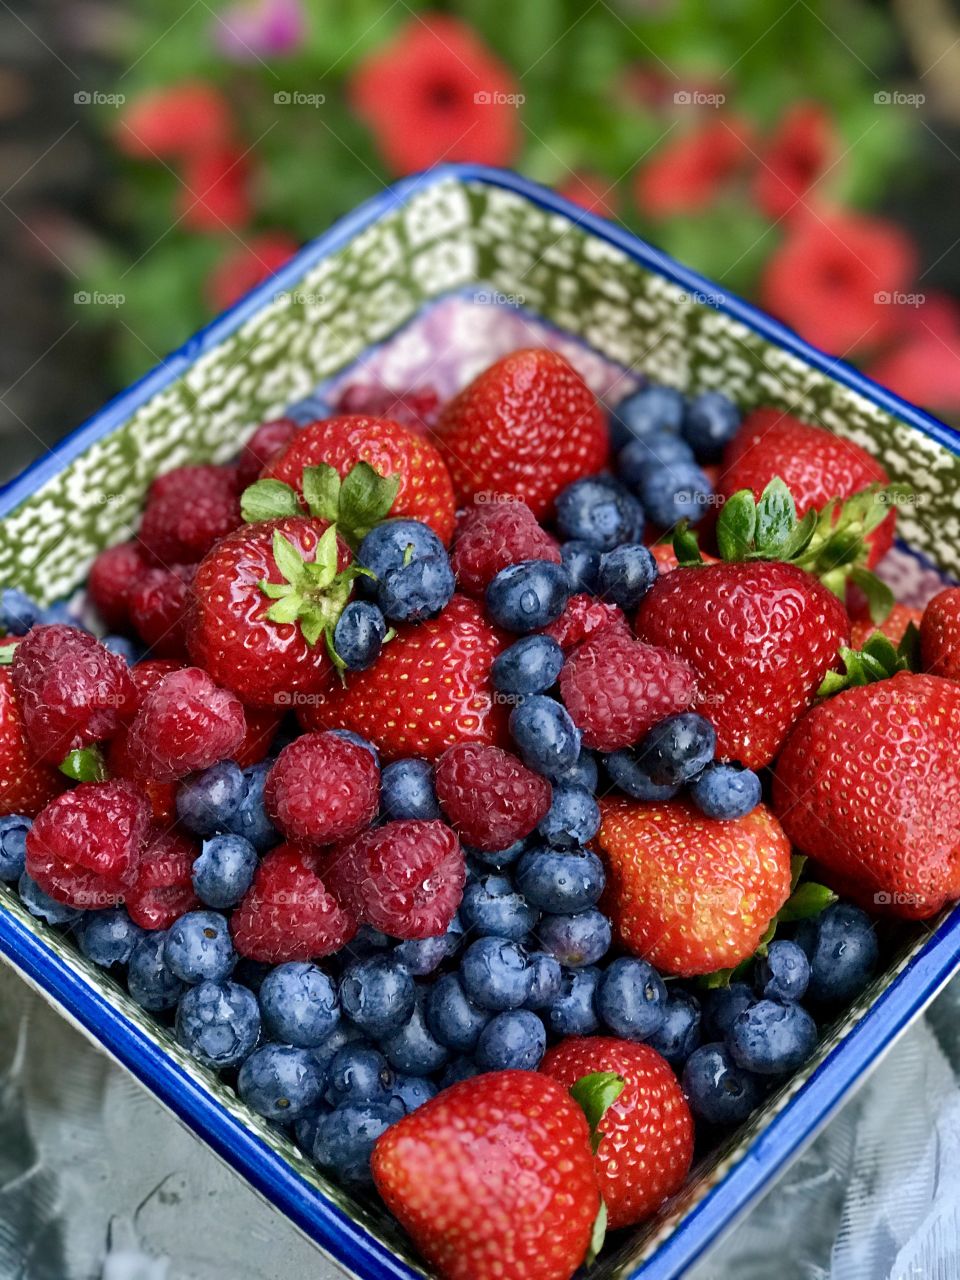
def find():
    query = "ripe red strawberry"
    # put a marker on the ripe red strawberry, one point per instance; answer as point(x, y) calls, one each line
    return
point(646, 1146)
point(940, 634)
point(616, 688)
point(182, 521)
point(417, 409)
point(163, 889)
point(894, 627)
point(868, 785)
point(493, 535)
point(25, 784)
point(266, 663)
point(760, 635)
point(527, 426)
point(266, 443)
point(489, 796)
point(493, 1179)
point(429, 689)
point(112, 576)
point(322, 788)
point(425, 491)
point(815, 464)
point(162, 796)
point(288, 913)
point(183, 724)
point(157, 607)
point(405, 877)
point(584, 616)
point(688, 893)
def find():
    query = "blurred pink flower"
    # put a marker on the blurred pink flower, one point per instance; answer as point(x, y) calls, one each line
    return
point(254, 29)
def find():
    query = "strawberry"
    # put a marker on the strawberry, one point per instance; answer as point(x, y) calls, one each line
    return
point(493, 1179)
point(689, 893)
point(940, 634)
point(528, 426)
point(429, 689)
point(894, 627)
point(815, 465)
point(26, 785)
point(646, 1133)
point(868, 785)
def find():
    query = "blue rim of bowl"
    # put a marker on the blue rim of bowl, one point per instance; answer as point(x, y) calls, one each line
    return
point(345, 1239)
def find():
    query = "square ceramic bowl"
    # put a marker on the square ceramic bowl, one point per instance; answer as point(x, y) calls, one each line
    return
point(430, 281)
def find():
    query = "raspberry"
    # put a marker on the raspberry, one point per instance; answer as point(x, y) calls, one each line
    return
point(112, 576)
point(262, 447)
point(72, 691)
point(191, 481)
point(162, 796)
point(84, 847)
point(489, 796)
point(262, 726)
point(322, 788)
point(163, 889)
point(418, 409)
point(405, 877)
point(157, 605)
point(585, 616)
point(494, 535)
point(288, 913)
point(181, 524)
point(616, 688)
point(184, 723)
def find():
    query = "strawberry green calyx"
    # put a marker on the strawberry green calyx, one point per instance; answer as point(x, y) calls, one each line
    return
point(355, 504)
point(314, 593)
point(87, 765)
point(7, 652)
point(879, 659)
point(593, 1094)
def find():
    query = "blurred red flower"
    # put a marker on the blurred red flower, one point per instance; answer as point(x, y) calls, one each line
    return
point(247, 266)
point(216, 190)
point(434, 93)
point(836, 277)
point(688, 174)
point(172, 123)
point(799, 152)
point(924, 365)
point(591, 192)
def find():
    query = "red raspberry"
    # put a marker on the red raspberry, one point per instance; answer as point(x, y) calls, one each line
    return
point(192, 481)
point(158, 605)
point(418, 409)
point(262, 726)
point(182, 524)
point(163, 889)
point(494, 535)
point(72, 691)
point(84, 847)
point(405, 878)
point(288, 913)
point(322, 788)
point(184, 723)
point(112, 577)
point(262, 447)
point(489, 796)
point(162, 796)
point(617, 688)
point(586, 616)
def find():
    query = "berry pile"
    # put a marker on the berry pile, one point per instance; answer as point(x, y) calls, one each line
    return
point(425, 787)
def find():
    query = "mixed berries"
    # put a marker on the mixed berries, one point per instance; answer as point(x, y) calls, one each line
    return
point(435, 783)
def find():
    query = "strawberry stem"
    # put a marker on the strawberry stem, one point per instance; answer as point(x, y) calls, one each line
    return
point(355, 504)
point(313, 594)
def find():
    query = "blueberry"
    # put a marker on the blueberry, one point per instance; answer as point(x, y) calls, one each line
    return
point(573, 1011)
point(599, 511)
point(497, 858)
point(491, 906)
point(529, 595)
point(721, 1006)
point(452, 1017)
point(560, 882)
point(719, 1091)
point(531, 665)
point(343, 1033)
point(358, 1073)
point(726, 791)
point(679, 1033)
point(497, 974)
point(358, 635)
point(209, 801)
point(391, 545)
point(771, 1038)
point(633, 780)
point(305, 1129)
point(108, 937)
point(18, 613)
point(783, 973)
point(710, 422)
point(458, 1069)
point(639, 458)
point(219, 1023)
point(413, 1091)
point(251, 973)
point(626, 574)
point(573, 818)
point(548, 739)
point(358, 740)
point(13, 846)
point(299, 1004)
point(413, 1049)
point(125, 648)
point(675, 492)
point(417, 590)
point(677, 749)
point(63, 612)
point(842, 949)
point(346, 1138)
point(643, 412)
point(421, 956)
point(199, 947)
point(582, 773)
point(223, 871)
point(513, 1041)
point(366, 942)
point(547, 980)
point(578, 939)
point(582, 563)
point(377, 994)
point(250, 819)
point(280, 1082)
point(631, 999)
point(407, 790)
point(44, 907)
point(149, 981)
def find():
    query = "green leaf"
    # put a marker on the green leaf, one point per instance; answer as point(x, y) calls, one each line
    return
point(799, 538)
point(288, 558)
point(737, 526)
point(598, 1235)
point(275, 590)
point(908, 650)
point(807, 900)
point(335, 658)
point(365, 500)
point(776, 518)
point(797, 862)
point(7, 653)
point(881, 649)
point(87, 765)
point(286, 610)
point(685, 545)
point(323, 569)
point(879, 596)
point(269, 500)
point(313, 623)
point(321, 491)
point(833, 682)
point(593, 1094)
point(712, 981)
